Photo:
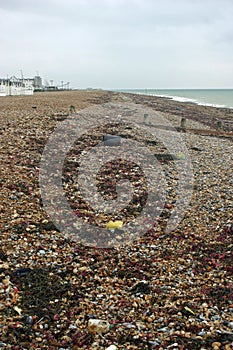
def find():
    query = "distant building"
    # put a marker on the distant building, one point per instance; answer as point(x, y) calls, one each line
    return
point(4, 87)
point(15, 86)
point(26, 86)
point(37, 83)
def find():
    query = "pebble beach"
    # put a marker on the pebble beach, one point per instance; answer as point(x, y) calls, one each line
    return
point(162, 291)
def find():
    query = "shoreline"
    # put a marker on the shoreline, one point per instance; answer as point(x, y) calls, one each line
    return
point(162, 289)
point(207, 115)
point(181, 99)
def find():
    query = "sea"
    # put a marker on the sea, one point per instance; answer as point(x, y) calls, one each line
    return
point(221, 98)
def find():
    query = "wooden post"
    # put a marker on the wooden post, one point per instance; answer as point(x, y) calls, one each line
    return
point(219, 125)
point(183, 123)
point(146, 117)
point(72, 109)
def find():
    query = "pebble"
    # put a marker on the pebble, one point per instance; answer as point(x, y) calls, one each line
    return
point(29, 320)
point(98, 326)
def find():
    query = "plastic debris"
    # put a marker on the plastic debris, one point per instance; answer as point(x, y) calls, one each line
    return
point(114, 224)
point(111, 140)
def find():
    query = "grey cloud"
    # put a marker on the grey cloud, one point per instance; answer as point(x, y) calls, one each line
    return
point(117, 43)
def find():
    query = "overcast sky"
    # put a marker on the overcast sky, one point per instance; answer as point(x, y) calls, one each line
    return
point(119, 43)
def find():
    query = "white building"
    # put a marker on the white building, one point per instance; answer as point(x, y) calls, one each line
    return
point(4, 87)
point(15, 86)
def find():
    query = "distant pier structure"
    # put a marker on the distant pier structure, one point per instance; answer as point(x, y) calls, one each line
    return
point(52, 87)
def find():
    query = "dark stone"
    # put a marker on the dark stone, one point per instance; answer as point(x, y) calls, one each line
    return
point(141, 287)
point(151, 142)
point(21, 272)
point(3, 256)
point(165, 157)
point(196, 149)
